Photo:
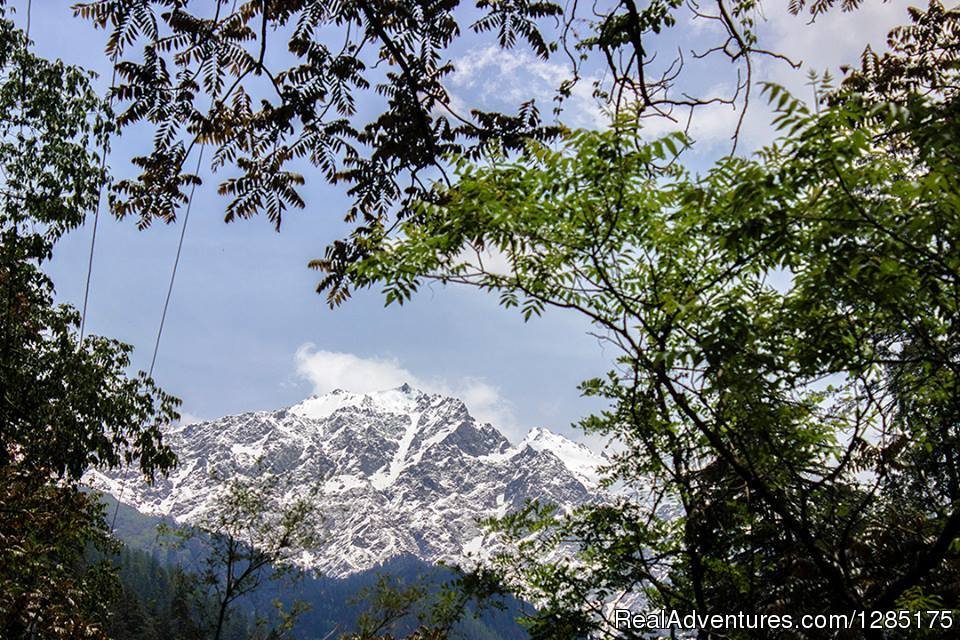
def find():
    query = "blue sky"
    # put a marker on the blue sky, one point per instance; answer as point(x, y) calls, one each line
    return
point(246, 331)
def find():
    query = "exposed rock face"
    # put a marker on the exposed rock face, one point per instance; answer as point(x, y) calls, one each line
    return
point(400, 471)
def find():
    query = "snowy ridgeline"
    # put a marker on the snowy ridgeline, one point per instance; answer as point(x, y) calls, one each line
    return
point(400, 472)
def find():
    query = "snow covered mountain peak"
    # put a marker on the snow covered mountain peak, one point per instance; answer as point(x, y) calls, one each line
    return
point(400, 400)
point(582, 461)
point(401, 471)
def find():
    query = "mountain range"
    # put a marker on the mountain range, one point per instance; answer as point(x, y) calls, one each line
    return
point(399, 473)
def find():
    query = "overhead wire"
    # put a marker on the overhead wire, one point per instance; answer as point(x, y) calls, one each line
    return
point(183, 233)
point(176, 264)
point(96, 219)
point(92, 250)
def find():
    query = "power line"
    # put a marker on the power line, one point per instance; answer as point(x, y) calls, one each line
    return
point(176, 263)
point(96, 219)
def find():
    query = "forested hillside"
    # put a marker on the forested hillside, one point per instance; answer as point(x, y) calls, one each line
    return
point(159, 601)
point(162, 598)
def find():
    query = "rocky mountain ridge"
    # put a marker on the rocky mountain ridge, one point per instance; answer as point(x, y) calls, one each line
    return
point(399, 471)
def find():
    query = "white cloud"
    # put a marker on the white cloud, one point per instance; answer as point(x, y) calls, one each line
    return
point(711, 124)
point(502, 78)
point(496, 78)
point(329, 370)
point(188, 418)
point(489, 259)
point(835, 38)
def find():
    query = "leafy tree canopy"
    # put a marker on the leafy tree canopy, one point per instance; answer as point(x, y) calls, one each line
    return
point(788, 340)
point(275, 85)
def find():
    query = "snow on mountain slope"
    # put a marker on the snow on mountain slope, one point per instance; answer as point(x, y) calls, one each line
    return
point(578, 458)
point(401, 471)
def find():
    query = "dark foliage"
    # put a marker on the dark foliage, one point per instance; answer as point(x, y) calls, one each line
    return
point(66, 404)
point(159, 601)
